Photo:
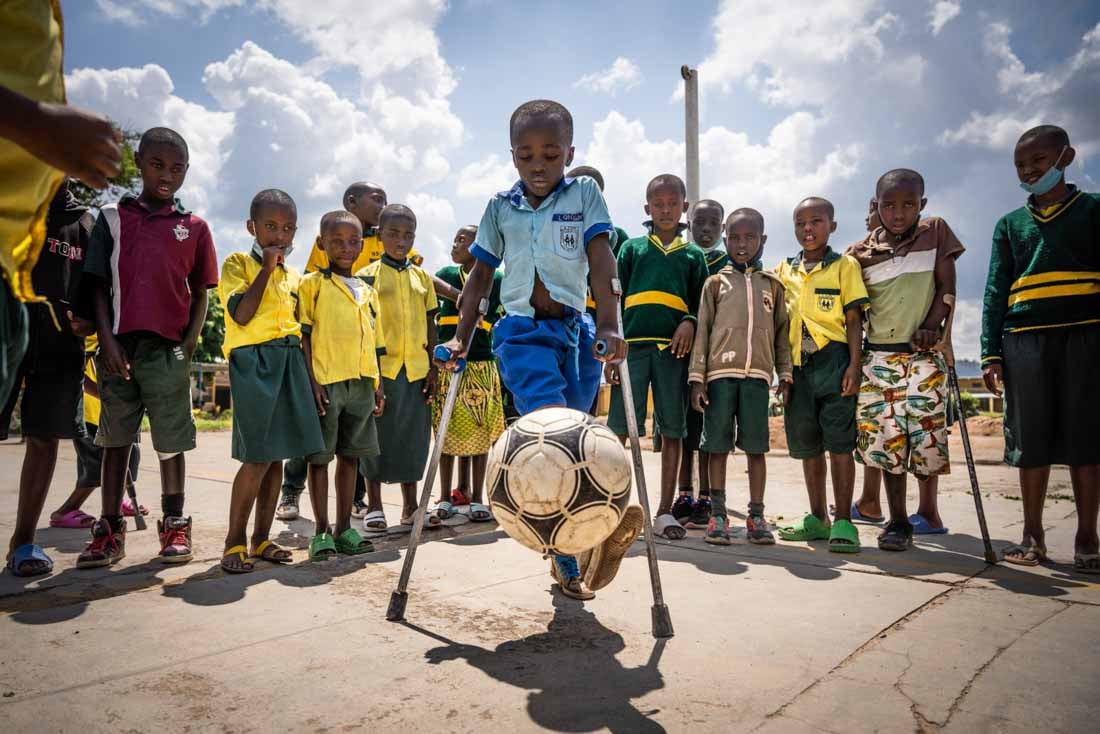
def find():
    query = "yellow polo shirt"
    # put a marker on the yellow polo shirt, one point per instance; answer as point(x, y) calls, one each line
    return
point(91, 403)
point(407, 301)
point(274, 318)
point(30, 64)
point(372, 251)
point(341, 327)
point(819, 298)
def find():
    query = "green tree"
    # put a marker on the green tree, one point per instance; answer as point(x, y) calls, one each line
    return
point(970, 405)
point(128, 181)
point(213, 332)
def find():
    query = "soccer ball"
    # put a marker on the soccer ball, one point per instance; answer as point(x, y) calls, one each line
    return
point(558, 481)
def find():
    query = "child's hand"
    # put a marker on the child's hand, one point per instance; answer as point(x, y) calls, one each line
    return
point(82, 144)
point(430, 384)
point(79, 326)
point(699, 400)
point(114, 359)
point(458, 351)
point(273, 256)
point(994, 378)
point(611, 373)
point(924, 339)
point(379, 401)
point(320, 396)
point(849, 384)
point(783, 392)
point(682, 339)
point(616, 345)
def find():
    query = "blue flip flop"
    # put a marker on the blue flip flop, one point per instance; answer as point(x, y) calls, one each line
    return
point(921, 526)
point(858, 516)
point(29, 552)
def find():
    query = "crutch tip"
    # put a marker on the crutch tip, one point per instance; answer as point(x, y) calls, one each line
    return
point(662, 622)
point(991, 558)
point(396, 610)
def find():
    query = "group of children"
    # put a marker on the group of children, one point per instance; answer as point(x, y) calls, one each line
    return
point(335, 365)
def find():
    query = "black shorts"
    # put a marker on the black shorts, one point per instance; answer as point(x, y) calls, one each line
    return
point(1052, 403)
point(52, 403)
point(89, 460)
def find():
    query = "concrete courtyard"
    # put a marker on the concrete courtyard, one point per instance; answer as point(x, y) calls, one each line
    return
point(787, 638)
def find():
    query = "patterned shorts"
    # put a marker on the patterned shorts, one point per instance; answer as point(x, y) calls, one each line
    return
point(902, 414)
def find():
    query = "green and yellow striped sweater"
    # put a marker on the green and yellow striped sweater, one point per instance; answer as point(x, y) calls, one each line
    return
point(661, 287)
point(1044, 271)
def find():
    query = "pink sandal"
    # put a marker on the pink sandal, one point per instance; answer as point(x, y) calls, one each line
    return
point(74, 519)
point(128, 508)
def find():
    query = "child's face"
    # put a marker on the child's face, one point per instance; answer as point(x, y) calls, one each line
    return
point(540, 154)
point(1034, 157)
point(460, 250)
point(163, 168)
point(872, 220)
point(342, 242)
point(274, 226)
point(706, 224)
point(397, 235)
point(812, 227)
point(665, 205)
point(367, 205)
point(899, 207)
point(744, 238)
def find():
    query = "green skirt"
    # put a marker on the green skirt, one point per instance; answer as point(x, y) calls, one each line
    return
point(404, 434)
point(274, 416)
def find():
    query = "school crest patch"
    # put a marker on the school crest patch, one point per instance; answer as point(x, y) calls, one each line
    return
point(768, 304)
point(181, 232)
point(826, 301)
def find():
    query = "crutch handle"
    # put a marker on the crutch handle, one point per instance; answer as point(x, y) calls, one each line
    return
point(442, 354)
point(601, 347)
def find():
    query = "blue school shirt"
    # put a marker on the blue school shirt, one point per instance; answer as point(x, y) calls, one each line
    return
point(552, 240)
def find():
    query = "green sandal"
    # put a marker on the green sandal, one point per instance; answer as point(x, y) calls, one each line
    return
point(322, 547)
point(351, 543)
point(844, 538)
point(808, 528)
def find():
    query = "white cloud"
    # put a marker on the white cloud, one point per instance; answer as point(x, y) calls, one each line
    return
point(942, 13)
point(119, 13)
point(995, 131)
point(786, 51)
point(1013, 76)
point(481, 179)
point(435, 228)
point(623, 74)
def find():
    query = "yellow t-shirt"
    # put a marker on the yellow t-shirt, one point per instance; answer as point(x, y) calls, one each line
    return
point(30, 64)
point(406, 297)
point(372, 251)
point(91, 403)
point(341, 327)
point(275, 317)
point(819, 298)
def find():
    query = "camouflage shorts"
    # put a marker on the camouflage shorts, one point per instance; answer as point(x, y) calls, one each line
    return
point(902, 414)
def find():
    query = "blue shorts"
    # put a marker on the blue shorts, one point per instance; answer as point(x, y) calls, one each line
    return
point(548, 362)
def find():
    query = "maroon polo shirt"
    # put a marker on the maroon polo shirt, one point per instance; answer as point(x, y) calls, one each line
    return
point(153, 261)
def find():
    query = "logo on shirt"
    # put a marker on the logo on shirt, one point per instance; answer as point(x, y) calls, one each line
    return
point(767, 298)
point(181, 232)
point(65, 249)
point(728, 357)
point(826, 301)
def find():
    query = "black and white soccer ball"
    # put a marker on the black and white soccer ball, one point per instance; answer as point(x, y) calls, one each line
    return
point(558, 481)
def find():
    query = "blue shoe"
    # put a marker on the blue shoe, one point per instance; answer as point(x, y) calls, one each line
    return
point(26, 553)
point(922, 527)
point(858, 516)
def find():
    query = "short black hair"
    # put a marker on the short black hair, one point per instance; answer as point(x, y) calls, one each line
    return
point(816, 201)
point(666, 179)
point(1053, 134)
point(587, 171)
point(471, 227)
point(340, 216)
point(899, 177)
point(359, 187)
point(541, 112)
point(163, 136)
point(709, 202)
point(396, 211)
point(748, 213)
point(271, 197)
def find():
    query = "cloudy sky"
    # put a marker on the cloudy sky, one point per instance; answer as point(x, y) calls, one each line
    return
point(802, 97)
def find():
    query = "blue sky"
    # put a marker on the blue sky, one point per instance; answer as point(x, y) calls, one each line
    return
point(805, 97)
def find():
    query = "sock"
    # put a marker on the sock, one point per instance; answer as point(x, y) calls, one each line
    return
point(172, 505)
point(756, 509)
point(117, 523)
point(718, 503)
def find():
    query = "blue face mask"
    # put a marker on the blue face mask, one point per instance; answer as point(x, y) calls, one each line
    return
point(1048, 180)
